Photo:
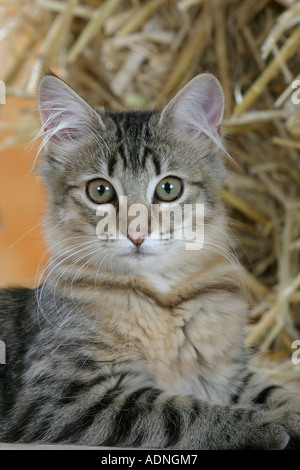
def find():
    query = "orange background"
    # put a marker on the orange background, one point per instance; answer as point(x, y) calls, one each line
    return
point(22, 201)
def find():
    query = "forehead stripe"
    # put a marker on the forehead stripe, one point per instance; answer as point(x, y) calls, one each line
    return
point(111, 164)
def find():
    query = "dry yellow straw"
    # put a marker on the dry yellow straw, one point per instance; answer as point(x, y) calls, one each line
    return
point(59, 35)
point(286, 143)
point(252, 119)
point(221, 51)
point(256, 286)
point(243, 207)
point(284, 274)
point(141, 17)
point(279, 28)
point(290, 47)
point(58, 6)
point(92, 28)
point(266, 321)
point(193, 48)
point(51, 44)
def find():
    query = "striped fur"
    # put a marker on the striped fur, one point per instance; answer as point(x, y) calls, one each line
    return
point(125, 345)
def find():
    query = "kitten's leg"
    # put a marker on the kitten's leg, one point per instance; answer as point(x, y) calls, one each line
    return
point(147, 417)
point(279, 403)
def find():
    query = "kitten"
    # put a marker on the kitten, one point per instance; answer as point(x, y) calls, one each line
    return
point(135, 339)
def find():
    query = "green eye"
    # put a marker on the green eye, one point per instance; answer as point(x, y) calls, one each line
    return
point(169, 189)
point(100, 191)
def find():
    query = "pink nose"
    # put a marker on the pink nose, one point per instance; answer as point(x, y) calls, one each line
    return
point(137, 238)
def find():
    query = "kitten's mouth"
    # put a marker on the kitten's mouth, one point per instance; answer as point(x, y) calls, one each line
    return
point(137, 254)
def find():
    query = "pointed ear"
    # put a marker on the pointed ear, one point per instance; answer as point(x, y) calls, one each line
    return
point(65, 116)
point(197, 110)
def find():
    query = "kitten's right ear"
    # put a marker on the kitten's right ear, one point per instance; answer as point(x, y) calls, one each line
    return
point(66, 117)
point(196, 112)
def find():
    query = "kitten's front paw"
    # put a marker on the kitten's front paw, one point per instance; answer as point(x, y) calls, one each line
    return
point(279, 426)
point(267, 436)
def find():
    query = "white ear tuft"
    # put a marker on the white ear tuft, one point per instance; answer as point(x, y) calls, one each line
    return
point(197, 110)
point(65, 116)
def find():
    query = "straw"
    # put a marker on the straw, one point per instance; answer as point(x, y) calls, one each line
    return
point(92, 28)
point(290, 47)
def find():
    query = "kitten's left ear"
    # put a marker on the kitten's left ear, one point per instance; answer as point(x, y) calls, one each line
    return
point(197, 110)
point(66, 117)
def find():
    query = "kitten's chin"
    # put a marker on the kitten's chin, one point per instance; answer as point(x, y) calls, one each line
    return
point(138, 258)
point(142, 256)
point(132, 260)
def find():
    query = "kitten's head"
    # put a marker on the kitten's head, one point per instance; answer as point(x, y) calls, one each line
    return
point(110, 175)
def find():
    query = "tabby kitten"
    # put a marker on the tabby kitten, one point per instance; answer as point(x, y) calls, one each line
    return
point(135, 340)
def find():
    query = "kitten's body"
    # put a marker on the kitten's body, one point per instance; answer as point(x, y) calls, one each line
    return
point(127, 344)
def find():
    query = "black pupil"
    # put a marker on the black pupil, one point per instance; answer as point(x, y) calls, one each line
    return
point(168, 187)
point(101, 189)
